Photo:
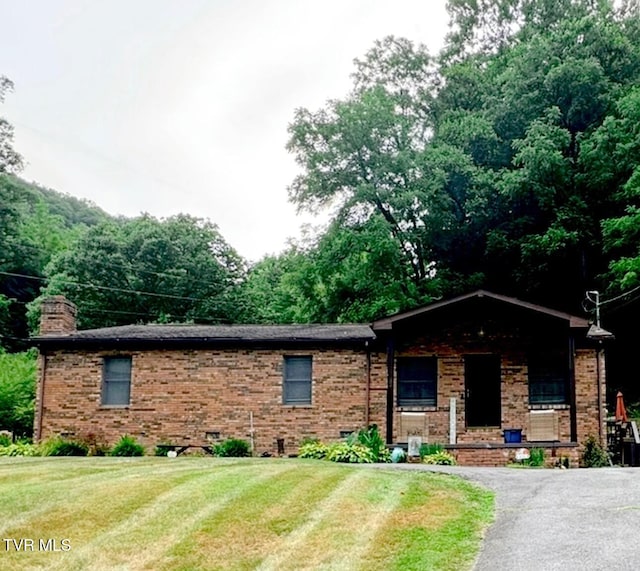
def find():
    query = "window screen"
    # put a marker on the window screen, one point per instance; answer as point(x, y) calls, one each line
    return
point(297, 380)
point(417, 380)
point(548, 378)
point(116, 380)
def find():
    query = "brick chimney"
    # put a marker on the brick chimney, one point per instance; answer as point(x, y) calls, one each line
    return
point(58, 316)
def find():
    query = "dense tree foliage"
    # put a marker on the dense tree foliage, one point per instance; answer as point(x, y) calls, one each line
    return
point(35, 225)
point(491, 164)
point(144, 269)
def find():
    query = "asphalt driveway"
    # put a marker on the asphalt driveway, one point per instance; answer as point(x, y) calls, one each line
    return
point(579, 519)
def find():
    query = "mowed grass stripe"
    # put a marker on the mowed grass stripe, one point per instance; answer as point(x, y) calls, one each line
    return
point(66, 480)
point(142, 540)
point(261, 520)
point(341, 527)
point(438, 525)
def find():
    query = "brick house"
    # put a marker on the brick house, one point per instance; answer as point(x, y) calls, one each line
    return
point(459, 372)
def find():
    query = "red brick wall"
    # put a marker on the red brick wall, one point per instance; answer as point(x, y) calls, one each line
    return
point(177, 396)
point(588, 420)
point(503, 456)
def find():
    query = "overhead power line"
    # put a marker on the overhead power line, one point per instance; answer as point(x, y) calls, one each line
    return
point(122, 266)
point(105, 288)
point(621, 296)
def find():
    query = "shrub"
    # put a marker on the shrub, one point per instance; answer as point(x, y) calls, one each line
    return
point(351, 453)
point(594, 455)
point(17, 391)
point(440, 458)
point(233, 448)
point(59, 446)
point(370, 438)
point(127, 446)
point(5, 440)
point(536, 457)
point(316, 450)
point(19, 449)
point(427, 449)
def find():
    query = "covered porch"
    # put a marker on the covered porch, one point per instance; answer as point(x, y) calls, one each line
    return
point(487, 375)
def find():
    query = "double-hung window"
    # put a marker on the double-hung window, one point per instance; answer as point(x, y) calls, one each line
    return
point(297, 380)
point(417, 381)
point(548, 377)
point(116, 381)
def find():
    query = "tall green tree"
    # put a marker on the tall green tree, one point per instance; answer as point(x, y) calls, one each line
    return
point(479, 161)
point(30, 235)
point(145, 269)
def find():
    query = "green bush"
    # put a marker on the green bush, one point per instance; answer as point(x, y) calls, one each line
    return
point(364, 446)
point(440, 458)
point(5, 440)
point(351, 453)
point(17, 391)
point(127, 446)
point(536, 457)
point(370, 437)
point(233, 448)
point(594, 455)
point(427, 449)
point(316, 450)
point(20, 449)
point(59, 446)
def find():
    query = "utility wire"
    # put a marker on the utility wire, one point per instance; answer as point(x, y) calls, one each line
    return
point(122, 266)
point(105, 288)
point(622, 295)
point(148, 314)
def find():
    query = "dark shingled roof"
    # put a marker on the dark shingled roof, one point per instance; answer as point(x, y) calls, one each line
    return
point(186, 334)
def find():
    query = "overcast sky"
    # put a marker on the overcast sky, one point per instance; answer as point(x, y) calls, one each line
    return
point(182, 106)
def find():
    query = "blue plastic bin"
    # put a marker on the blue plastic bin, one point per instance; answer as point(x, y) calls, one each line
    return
point(512, 435)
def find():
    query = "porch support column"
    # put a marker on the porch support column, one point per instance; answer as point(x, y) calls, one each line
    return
point(390, 378)
point(573, 416)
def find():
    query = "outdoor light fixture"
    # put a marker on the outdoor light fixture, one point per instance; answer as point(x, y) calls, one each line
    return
point(597, 333)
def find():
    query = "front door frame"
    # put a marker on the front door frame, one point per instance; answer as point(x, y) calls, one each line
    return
point(483, 390)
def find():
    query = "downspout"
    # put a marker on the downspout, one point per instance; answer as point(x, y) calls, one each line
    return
point(390, 367)
point(367, 408)
point(600, 404)
point(37, 429)
point(573, 413)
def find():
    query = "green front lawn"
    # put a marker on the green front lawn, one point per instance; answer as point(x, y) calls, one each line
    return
point(203, 513)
